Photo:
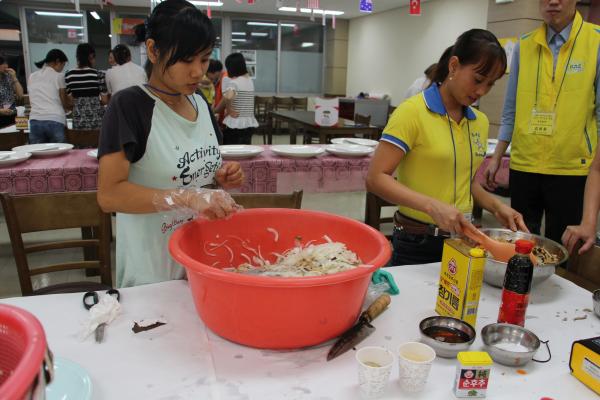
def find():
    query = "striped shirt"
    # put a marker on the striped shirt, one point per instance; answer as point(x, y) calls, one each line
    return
point(85, 82)
point(243, 102)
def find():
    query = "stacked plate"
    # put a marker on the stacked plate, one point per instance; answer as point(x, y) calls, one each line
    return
point(45, 149)
point(93, 153)
point(349, 150)
point(297, 150)
point(239, 151)
point(359, 141)
point(13, 157)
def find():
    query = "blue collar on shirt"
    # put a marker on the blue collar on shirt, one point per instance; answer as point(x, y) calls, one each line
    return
point(433, 101)
point(564, 34)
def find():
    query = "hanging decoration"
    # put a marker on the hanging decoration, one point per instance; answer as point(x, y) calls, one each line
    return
point(208, 12)
point(324, 19)
point(415, 7)
point(333, 21)
point(312, 4)
point(250, 1)
point(76, 2)
point(365, 6)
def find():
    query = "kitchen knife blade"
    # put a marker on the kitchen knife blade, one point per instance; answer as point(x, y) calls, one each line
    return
point(361, 329)
point(100, 333)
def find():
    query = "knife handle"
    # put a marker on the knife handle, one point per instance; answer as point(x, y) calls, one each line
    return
point(378, 306)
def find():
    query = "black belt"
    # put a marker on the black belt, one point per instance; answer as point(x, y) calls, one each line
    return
point(415, 227)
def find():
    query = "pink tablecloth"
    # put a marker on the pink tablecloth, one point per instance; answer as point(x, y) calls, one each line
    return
point(70, 172)
point(271, 173)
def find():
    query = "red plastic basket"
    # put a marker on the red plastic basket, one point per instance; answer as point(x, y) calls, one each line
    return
point(22, 351)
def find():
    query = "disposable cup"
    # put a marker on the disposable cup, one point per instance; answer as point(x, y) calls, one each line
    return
point(374, 369)
point(414, 360)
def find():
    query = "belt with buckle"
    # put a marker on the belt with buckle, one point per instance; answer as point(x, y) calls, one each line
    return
point(415, 227)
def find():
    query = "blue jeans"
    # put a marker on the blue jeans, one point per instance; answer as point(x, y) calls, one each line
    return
point(46, 132)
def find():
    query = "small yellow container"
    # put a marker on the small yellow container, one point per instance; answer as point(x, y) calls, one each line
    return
point(585, 362)
point(461, 277)
point(472, 374)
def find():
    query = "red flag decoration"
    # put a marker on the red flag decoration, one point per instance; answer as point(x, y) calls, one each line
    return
point(250, 1)
point(208, 12)
point(415, 7)
point(312, 3)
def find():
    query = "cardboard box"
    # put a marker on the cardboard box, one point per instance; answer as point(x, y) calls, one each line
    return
point(461, 277)
point(585, 362)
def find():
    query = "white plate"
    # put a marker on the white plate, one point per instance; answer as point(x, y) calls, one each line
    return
point(297, 150)
point(360, 141)
point(45, 149)
point(349, 150)
point(239, 151)
point(93, 153)
point(12, 157)
point(71, 382)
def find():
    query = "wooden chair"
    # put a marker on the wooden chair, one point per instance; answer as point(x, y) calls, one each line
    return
point(82, 139)
point(12, 139)
point(52, 211)
point(262, 111)
point(373, 208)
point(279, 104)
point(583, 270)
point(269, 200)
point(300, 103)
point(362, 119)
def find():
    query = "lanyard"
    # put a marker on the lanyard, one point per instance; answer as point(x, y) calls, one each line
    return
point(470, 160)
point(537, 81)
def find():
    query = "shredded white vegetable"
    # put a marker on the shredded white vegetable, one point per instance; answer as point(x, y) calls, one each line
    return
point(275, 233)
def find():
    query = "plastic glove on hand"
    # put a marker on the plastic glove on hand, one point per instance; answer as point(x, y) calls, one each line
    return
point(380, 276)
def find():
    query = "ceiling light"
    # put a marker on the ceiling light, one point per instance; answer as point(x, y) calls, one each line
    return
point(238, 40)
point(69, 27)
point(288, 9)
point(319, 11)
point(58, 14)
point(259, 34)
point(239, 33)
point(109, 35)
point(307, 44)
point(215, 3)
point(261, 23)
point(95, 15)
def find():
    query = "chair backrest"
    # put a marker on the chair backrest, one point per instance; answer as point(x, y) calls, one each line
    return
point(12, 139)
point(53, 211)
point(373, 207)
point(300, 103)
point(269, 200)
point(82, 139)
point(283, 103)
point(362, 119)
point(262, 106)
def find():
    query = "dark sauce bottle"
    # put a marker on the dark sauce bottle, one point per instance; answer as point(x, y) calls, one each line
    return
point(517, 285)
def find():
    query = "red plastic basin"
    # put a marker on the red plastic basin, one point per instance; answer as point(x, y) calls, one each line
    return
point(271, 312)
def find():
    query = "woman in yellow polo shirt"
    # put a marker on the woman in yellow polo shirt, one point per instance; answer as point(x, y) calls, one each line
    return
point(435, 142)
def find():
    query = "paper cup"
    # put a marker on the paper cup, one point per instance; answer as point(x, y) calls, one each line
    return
point(374, 368)
point(415, 361)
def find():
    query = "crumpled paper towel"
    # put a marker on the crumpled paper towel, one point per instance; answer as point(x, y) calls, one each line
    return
point(104, 312)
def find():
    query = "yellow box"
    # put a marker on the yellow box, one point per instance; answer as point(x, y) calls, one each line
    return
point(585, 362)
point(461, 277)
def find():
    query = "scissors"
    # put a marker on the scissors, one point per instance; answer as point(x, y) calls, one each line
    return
point(90, 299)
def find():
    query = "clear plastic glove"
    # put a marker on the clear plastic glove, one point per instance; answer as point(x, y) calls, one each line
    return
point(208, 203)
point(107, 309)
point(230, 175)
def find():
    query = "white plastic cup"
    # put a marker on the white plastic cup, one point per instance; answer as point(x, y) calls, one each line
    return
point(374, 369)
point(415, 361)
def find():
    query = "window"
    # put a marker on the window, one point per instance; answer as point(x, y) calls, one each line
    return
point(301, 65)
point(216, 53)
point(257, 40)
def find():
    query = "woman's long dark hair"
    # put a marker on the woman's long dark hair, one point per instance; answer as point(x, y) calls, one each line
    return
point(236, 65)
point(83, 53)
point(180, 31)
point(52, 56)
point(121, 54)
point(475, 46)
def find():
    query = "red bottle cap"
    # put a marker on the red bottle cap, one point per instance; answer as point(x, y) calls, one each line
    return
point(523, 246)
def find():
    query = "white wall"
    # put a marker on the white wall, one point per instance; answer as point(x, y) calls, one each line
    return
point(388, 51)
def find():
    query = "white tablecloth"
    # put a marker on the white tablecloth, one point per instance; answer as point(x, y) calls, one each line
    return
point(184, 360)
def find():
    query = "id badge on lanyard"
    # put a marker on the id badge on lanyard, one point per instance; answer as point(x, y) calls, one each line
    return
point(542, 123)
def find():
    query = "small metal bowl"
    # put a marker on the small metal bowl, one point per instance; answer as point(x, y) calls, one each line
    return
point(596, 299)
point(499, 337)
point(443, 348)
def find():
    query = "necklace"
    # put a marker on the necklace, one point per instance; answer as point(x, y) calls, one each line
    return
point(161, 91)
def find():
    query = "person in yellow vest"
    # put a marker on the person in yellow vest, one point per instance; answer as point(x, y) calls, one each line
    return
point(550, 116)
point(434, 143)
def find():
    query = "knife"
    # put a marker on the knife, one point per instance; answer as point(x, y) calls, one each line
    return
point(100, 333)
point(361, 329)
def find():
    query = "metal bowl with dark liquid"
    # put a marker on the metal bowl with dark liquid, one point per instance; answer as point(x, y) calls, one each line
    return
point(448, 336)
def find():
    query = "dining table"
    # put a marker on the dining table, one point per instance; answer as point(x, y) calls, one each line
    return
point(184, 359)
point(304, 121)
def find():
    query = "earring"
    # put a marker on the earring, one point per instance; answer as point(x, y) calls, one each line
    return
point(451, 77)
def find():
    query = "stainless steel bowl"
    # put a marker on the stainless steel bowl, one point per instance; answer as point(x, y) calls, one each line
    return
point(494, 270)
point(596, 299)
point(442, 348)
point(499, 337)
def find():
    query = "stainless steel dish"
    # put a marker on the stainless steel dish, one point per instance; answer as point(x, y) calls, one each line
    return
point(494, 270)
point(596, 299)
point(499, 339)
point(442, 347)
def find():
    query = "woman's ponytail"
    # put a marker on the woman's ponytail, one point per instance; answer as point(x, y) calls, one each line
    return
point(441, 70)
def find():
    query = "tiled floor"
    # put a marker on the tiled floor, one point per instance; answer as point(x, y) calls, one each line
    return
point(348, 204)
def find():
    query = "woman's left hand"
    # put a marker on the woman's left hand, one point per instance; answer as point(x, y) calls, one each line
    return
point(230, 175)
point(510, 218)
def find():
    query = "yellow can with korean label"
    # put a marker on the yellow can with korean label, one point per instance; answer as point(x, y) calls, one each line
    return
point(472, 374)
